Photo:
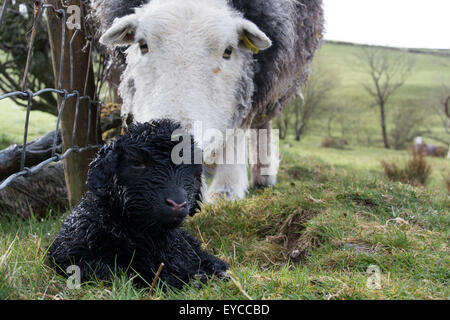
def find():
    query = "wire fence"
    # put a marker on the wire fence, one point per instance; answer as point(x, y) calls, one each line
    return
point(39, 8)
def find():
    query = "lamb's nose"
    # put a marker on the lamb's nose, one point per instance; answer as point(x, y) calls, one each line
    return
point(175, 206)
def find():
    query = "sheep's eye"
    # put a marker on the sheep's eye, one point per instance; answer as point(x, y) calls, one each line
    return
point(228, 52)
point(143, 46)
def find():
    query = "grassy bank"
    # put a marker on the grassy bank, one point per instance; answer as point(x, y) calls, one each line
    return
point(313, 236)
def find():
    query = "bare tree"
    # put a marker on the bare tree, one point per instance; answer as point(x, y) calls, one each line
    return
point(409, 119)
point(283, 124)
point(335, 112)
point(315, 93)
point(447, 113)
point(14, 40)
point(388, 71)
point(440, 102)
point(443, 109)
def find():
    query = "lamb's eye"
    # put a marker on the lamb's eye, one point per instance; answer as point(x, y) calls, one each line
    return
point(143, 46)
point(138, 166)
point(228, 52)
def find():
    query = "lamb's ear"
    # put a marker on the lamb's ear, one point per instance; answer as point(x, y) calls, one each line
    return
point(197, 205)
point(122, 31)
point(102, 169)
point(252, 37)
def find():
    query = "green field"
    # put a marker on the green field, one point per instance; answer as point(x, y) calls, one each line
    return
point(333, 209)
point(429, 74)
point(12, 124)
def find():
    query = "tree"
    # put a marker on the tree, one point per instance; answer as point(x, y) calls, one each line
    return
point(441, 104)
point(409, 120)
point(316, 91)
point(336, 113)
point(282, 124)
point(388, 71)
point(14, 42)
point(76, 165)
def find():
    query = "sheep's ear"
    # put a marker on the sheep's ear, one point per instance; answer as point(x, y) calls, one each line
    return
point(122, 32)
point(251, 37)
point(102, 169)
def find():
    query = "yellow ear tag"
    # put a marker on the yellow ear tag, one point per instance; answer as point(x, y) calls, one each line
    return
point(250, 46)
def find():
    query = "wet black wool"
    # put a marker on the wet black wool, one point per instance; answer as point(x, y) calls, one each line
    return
point(129, 220)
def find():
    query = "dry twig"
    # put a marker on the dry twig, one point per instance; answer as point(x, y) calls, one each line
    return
point(155, 280)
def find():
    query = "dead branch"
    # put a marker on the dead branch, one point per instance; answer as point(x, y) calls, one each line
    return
point(37, 151)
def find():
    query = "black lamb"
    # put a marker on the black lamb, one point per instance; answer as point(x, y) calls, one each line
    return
point(129, 220)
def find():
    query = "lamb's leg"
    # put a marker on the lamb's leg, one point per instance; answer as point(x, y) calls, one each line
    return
point(99, 270)
point(209, 264)
point(85, 271)
point(265, 157)
point(212, 265)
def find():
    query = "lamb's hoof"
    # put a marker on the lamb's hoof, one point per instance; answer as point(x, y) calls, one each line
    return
point(200, 280)
point(223, 275)
point(197, 284)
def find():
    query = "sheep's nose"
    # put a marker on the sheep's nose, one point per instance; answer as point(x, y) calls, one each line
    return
point(175, 206)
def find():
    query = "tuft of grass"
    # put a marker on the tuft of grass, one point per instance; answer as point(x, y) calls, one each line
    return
point(329, 142)
point(416, 171)
point(447, 181)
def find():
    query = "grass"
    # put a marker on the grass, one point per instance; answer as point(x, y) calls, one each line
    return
point(313, 236)
point(415, 171)
point(366, 159)
point(13, 124)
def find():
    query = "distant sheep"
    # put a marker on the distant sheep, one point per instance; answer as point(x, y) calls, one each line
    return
point(129, 221)
point(228, 64)
point(429, 149)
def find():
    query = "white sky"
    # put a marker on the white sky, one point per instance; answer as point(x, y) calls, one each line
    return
point(397, 23)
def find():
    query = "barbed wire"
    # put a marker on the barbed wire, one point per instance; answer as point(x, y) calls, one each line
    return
point(39, 8)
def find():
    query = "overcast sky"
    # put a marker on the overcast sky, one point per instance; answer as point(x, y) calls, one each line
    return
point(398, 23)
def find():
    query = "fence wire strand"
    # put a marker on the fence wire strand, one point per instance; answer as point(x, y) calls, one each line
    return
point(40, 7)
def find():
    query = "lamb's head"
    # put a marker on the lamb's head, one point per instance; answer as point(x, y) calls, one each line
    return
point(143, 181)
point(189, 60)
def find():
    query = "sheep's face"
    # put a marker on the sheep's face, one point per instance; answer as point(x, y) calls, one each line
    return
point(138, 175)
point(186, 61)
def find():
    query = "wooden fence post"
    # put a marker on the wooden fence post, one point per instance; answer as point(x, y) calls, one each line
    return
point(76, 164)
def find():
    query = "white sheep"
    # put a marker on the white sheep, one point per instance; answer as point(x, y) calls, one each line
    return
point(216, 64)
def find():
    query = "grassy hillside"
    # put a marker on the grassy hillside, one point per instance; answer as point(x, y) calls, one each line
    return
point(428, 75)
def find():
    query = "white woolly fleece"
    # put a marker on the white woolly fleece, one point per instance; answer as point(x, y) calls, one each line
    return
point(184, 76)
